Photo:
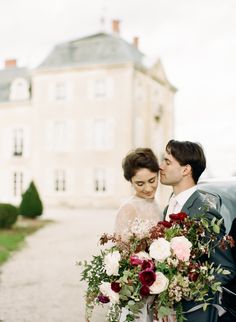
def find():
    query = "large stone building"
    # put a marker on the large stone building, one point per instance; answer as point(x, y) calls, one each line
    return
point(68, 123)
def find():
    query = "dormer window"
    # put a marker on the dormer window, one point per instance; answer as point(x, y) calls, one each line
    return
point(19, 90)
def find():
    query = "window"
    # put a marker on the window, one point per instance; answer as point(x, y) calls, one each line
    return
point(19, 90)
point(139, 92)
point(100, 182)
point(60, 91)
point(17, 183)
point(103, 134)
point(100, 88)
point(60, 180)
point(18, 142)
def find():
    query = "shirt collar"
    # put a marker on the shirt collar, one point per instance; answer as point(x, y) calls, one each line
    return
point(183, 196)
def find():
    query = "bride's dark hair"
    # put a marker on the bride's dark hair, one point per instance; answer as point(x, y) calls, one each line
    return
point(138, 159)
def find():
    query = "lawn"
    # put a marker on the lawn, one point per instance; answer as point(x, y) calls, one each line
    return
point(13, 239)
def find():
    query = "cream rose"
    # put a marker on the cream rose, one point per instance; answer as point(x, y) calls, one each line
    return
point(160, 249)
point(181, 247)
point(143, 255)
point(111, 261)
point(160, 285)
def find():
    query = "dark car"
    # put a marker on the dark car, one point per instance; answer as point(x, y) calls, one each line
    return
point(222, 195)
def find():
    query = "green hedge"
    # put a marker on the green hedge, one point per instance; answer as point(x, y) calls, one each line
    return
point(8, 215)
point(31, 205)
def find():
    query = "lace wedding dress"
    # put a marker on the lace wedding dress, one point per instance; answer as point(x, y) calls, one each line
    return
point(136, 207)
point(148, 211)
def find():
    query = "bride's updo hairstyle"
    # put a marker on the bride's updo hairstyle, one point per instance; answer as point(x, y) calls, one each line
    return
point(138, 159)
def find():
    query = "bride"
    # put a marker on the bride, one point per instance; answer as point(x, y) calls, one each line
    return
point(141, 168)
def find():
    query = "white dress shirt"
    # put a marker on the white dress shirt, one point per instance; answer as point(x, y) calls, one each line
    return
point(177, 202)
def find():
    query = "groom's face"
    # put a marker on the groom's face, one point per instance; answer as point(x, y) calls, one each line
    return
point(171, 172)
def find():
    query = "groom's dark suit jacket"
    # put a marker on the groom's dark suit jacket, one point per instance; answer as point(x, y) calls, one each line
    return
point(197, 204)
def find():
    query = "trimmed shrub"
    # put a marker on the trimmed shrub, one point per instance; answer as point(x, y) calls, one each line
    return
point(8, 215)
point(31, 205)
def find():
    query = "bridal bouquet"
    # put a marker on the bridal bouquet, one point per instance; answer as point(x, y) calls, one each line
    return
point(165, 263)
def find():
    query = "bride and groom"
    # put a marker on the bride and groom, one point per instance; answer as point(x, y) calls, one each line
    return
point(181, 168)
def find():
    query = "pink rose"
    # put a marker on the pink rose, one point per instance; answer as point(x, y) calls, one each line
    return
point(181, 247)
point(134, 260)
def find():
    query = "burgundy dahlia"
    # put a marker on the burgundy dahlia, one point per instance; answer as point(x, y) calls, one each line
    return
point(115, 287)
point(147, 264)
point(147, 277)
point(103, 299)
point(144, 290)
point(193, 276)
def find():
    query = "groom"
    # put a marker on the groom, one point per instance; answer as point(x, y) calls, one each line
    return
point(181, 168)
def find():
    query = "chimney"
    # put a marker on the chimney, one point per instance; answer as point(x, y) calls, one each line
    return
point(136, 41)
point(116, 27)
point(10, 63)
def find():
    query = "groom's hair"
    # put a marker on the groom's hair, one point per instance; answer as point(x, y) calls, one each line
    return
point(138, 159)
point(186, 152)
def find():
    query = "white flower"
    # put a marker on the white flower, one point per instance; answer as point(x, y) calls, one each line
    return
point(106, 290)
point(161, 283)
point(160, 249)
point(181, 247)
point(143, 255)
point(111, 262)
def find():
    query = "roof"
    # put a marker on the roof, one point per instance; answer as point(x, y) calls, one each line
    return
point(100, 48)
point(7, 75)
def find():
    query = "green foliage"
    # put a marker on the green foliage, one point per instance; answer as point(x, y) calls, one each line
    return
point(31, 205)
point(8, 215)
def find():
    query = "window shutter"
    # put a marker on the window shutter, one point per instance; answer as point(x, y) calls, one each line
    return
point(49, 135)
point(70, 144)
point(88, 181)
point(110, 133)
point(7, 142)
point(110, 87)
point(90, 88)
point(88, 133)
point(26, 141)
point(51, 92)
point(69, 91)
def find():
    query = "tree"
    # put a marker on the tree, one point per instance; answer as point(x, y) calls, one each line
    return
point(31, 205)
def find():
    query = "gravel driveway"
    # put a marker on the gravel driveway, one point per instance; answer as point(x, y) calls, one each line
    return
point(41, 283)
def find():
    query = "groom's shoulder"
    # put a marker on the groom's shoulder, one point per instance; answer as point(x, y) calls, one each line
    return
point(210, 200)
point(202, 201)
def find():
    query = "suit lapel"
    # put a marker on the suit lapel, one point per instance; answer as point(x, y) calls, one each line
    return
point(189, 204)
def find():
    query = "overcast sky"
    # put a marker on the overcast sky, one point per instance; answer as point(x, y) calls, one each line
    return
point(195, 40)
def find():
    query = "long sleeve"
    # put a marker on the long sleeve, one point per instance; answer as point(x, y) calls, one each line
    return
point(124, 218)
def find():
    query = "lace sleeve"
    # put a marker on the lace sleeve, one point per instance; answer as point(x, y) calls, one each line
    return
point(124, 217)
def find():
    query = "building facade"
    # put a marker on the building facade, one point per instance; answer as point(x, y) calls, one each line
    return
point(68, 123)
